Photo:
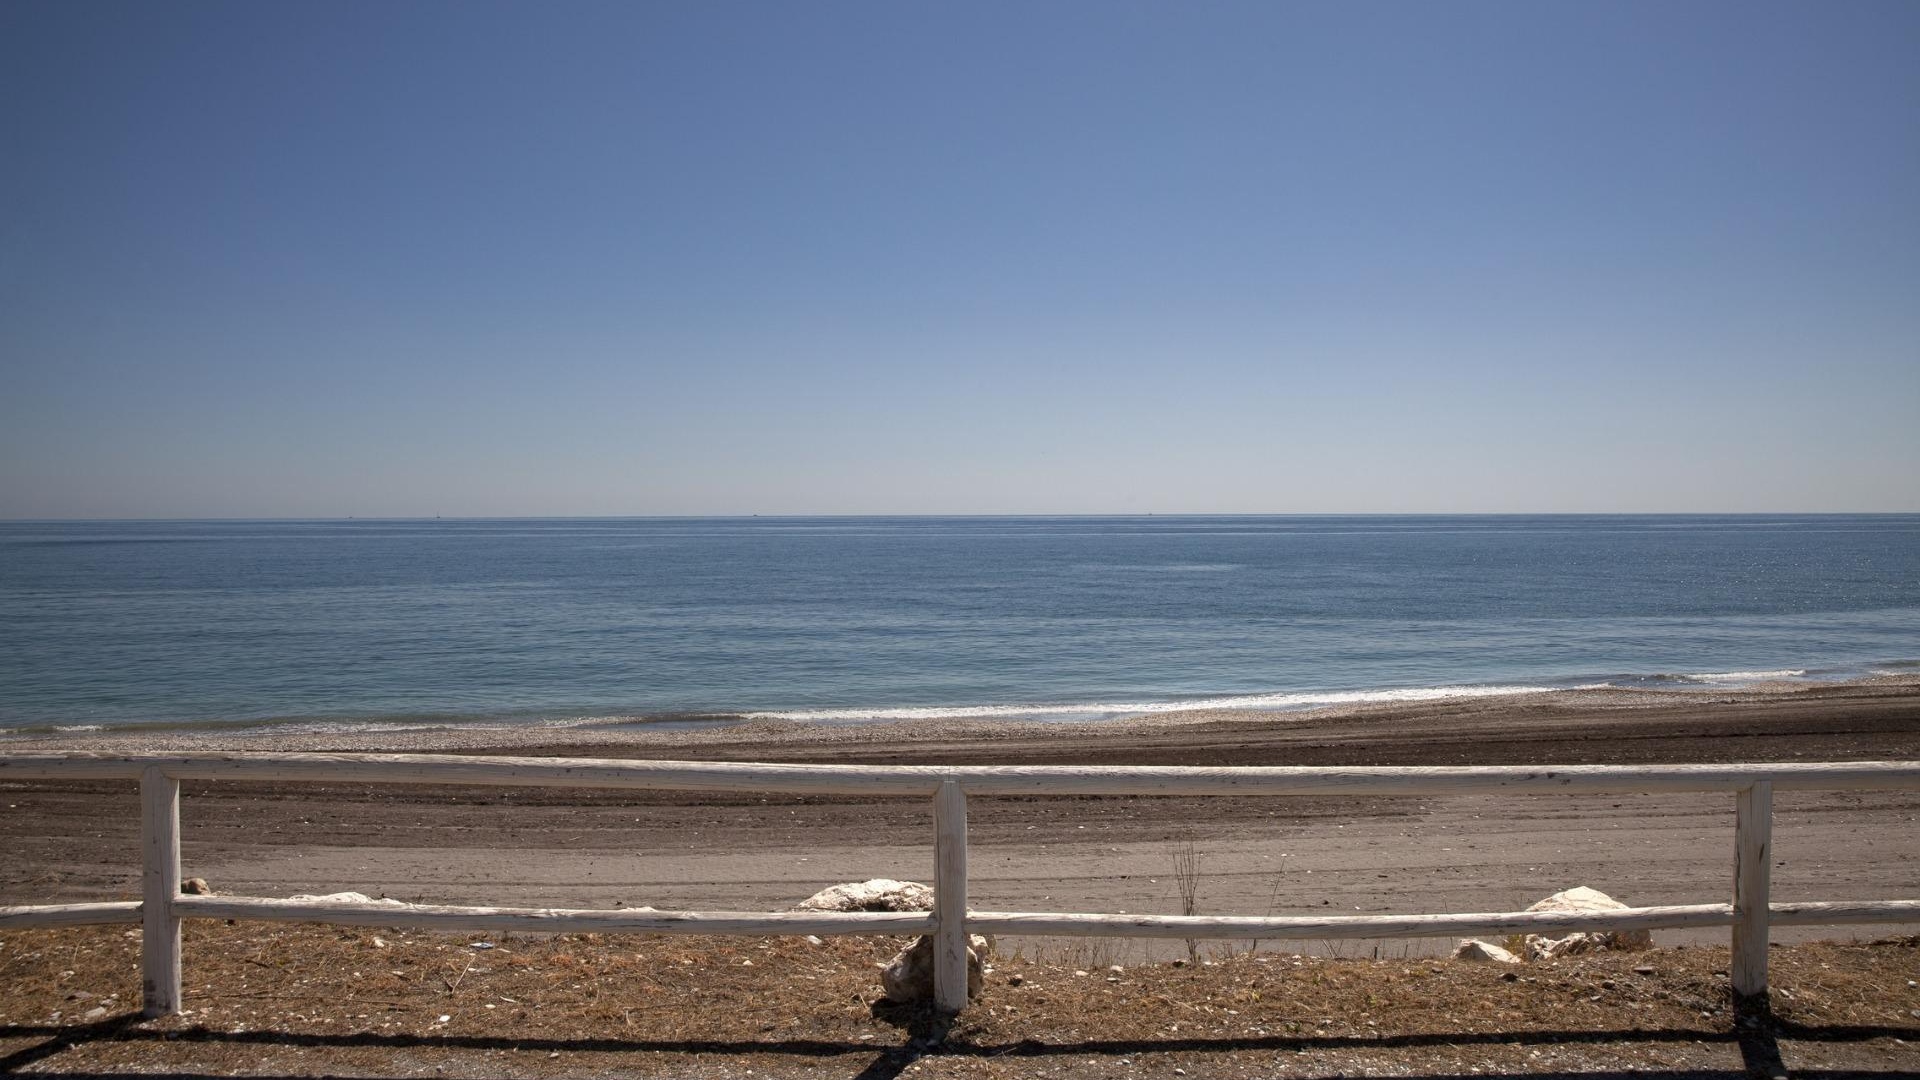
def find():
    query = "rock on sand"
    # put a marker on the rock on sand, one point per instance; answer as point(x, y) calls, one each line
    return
point(1581, 900)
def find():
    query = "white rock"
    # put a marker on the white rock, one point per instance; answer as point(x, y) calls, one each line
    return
point(879, 894)
point(1483, 952)
point(908, 977)
point(1581, 900)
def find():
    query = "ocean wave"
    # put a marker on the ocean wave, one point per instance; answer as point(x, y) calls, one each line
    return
point(482, 722)
point(1060, 712)
point(1272, 702)
point(1718, 678)
point(342, 727)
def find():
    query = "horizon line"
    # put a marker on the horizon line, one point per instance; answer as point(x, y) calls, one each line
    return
point(796, 515)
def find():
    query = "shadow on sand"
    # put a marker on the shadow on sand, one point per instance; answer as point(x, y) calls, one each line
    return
point(1756, 1034)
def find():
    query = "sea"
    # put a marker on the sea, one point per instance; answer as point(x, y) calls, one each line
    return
point(399, 625)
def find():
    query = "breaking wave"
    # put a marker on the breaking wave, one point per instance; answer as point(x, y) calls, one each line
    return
point(1719, 677)
point(1094, 710)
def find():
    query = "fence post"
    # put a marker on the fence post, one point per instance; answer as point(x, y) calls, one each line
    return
point(159, 885)
point(1752, 879)
point(950, 897)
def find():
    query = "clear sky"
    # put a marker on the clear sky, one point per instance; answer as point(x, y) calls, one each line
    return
point(402, 259)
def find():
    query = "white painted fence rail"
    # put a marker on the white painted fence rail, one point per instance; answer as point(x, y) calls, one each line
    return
point(162, 907)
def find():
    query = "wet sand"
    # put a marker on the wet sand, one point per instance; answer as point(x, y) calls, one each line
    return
point(71, 841)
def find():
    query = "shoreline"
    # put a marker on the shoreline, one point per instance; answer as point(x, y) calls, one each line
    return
point(640, 734)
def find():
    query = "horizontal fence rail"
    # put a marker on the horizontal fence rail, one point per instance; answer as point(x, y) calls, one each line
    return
point(1350, 926)
point(925, 780)
point(41, 916)
point(162, 906)
point(557, 920)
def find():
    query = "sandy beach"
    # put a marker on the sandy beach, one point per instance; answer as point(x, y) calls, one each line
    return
point(70, 841)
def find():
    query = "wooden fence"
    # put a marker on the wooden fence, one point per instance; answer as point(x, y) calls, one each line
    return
point(162, 906)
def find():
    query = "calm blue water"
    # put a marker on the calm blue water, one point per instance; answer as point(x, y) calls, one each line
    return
point(847, 618)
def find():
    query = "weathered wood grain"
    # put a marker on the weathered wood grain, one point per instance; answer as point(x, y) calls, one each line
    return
point(974, 779)
point(159, 884)
point(48, 916)
point(950, 898)
point(1837, 913)
point(1346, 926)
point(1752, 877)
point(556, 920)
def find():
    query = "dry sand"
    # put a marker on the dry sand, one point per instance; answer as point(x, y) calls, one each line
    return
point(67, 841)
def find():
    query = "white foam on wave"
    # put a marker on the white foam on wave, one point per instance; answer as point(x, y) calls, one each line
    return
point(341, 727)
point(405, 726)
point(1274, 702)
point(1718, 677)
point(571, 721)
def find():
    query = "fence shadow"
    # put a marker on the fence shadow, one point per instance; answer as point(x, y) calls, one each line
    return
point(927, 1035)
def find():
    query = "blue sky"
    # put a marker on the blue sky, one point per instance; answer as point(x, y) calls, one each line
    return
point(481, 259)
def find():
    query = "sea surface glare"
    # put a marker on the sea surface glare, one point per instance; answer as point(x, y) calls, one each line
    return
point(406, 623)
